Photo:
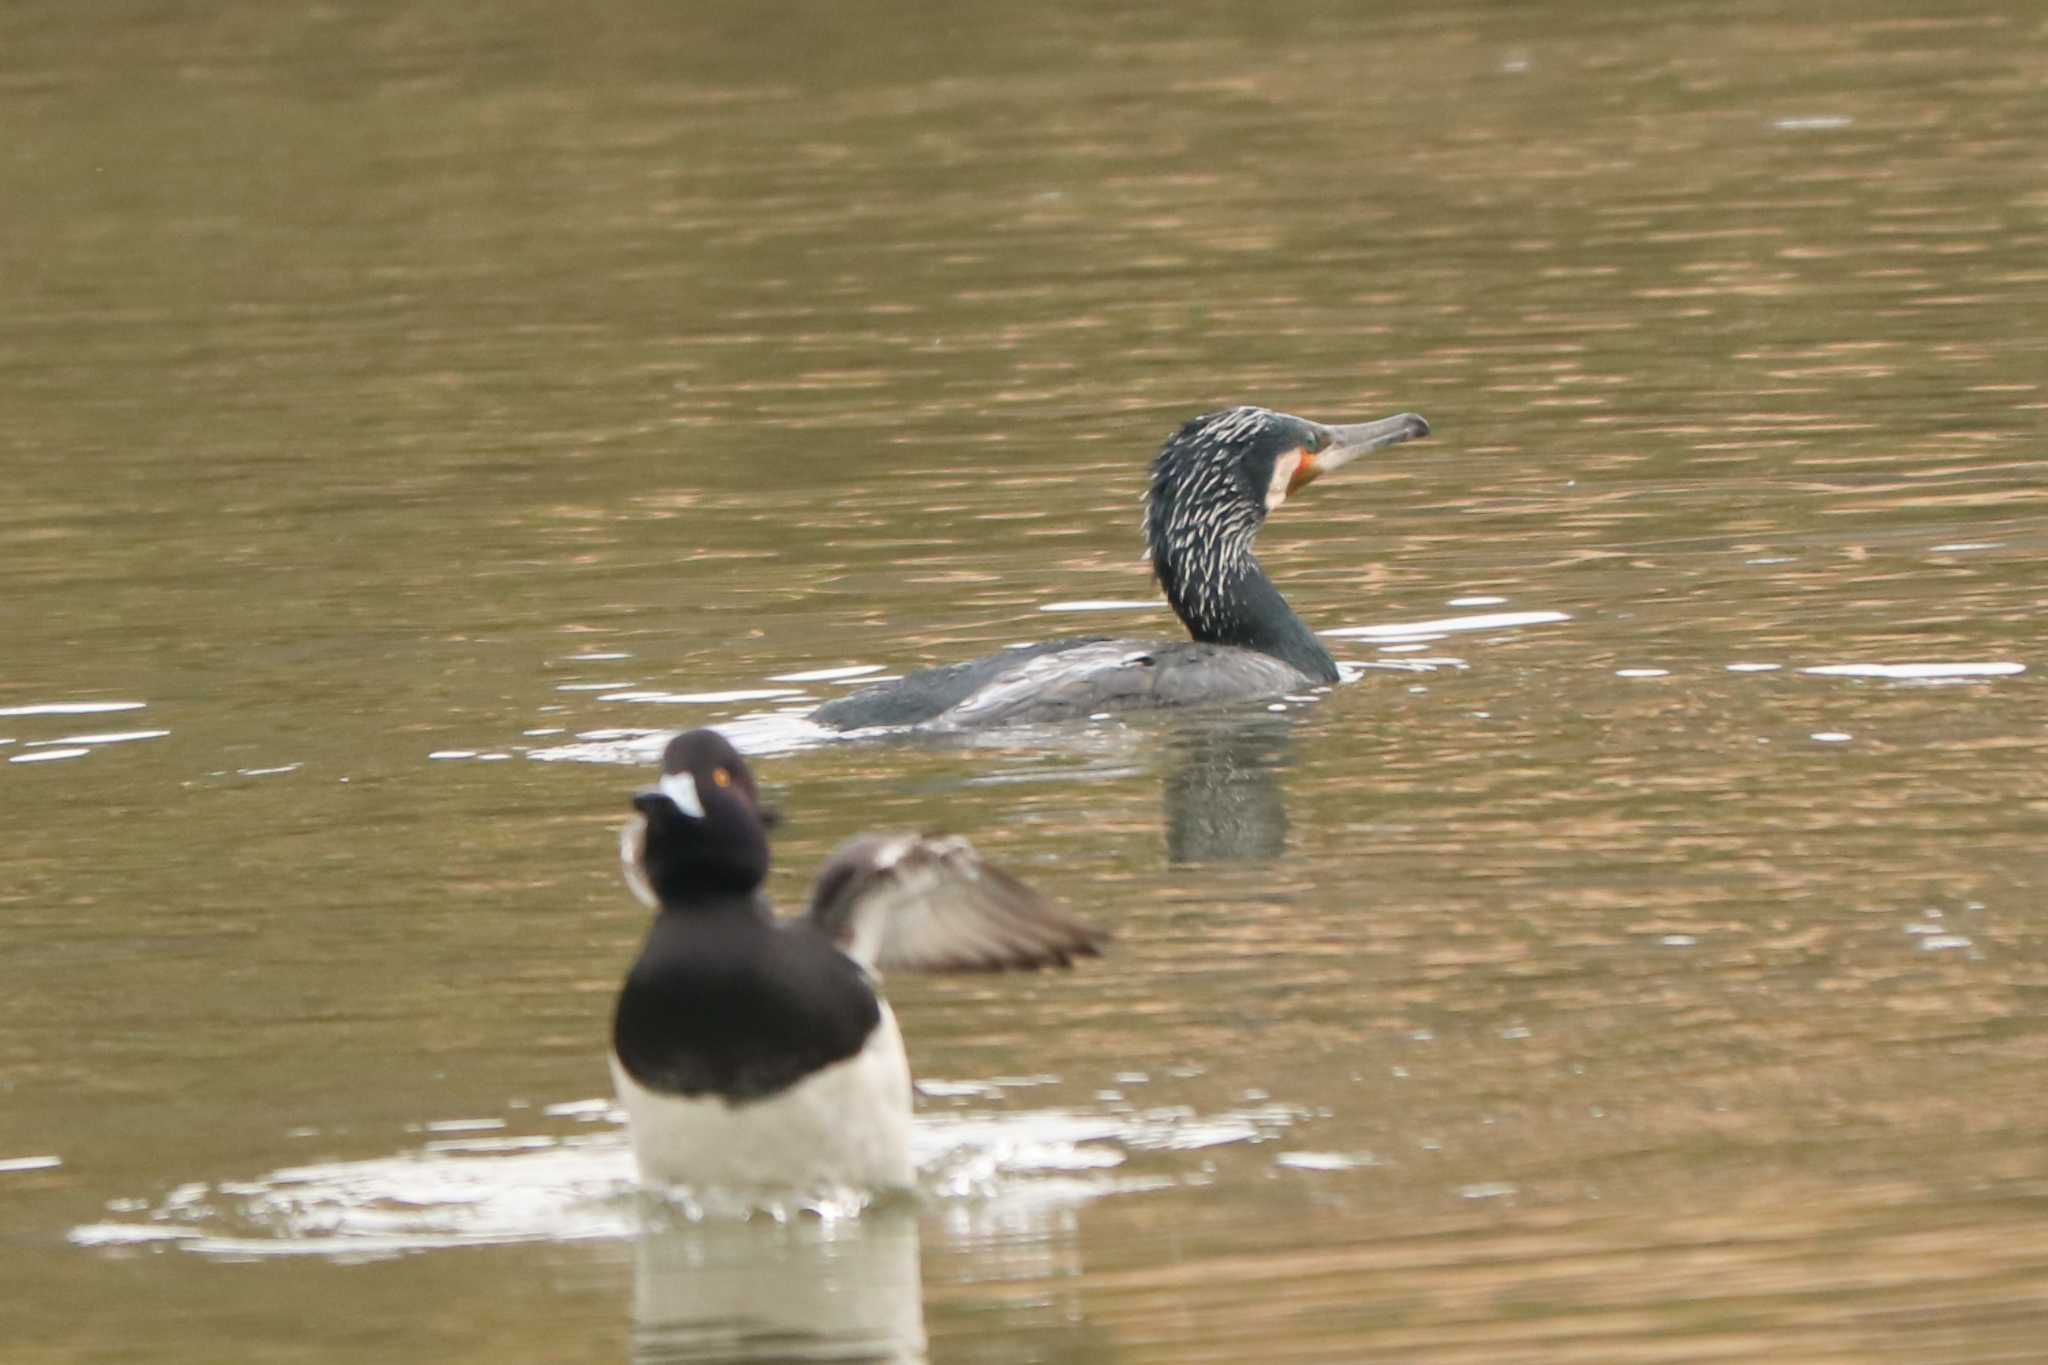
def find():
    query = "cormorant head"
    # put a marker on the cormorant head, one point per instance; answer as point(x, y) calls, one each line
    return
point(700, 829)
point(1215, 481)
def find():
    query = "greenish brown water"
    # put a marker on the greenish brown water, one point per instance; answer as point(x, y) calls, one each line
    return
point(386, 383)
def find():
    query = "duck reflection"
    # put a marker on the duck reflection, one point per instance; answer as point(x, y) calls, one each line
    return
point(1222, 792)
point(807, 1289)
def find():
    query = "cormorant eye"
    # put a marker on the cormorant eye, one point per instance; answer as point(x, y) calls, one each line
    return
point(1315, 442)
point(721, 777)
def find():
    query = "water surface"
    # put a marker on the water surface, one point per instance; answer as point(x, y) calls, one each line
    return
point(413, 416)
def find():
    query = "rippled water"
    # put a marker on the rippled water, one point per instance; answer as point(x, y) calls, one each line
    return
point(414, 416)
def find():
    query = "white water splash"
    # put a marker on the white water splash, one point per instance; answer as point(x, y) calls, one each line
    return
point(580, 1186)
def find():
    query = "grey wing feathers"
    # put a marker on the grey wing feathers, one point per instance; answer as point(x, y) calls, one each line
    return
point(930, 692)
point(931, 904)
point(1101, 675)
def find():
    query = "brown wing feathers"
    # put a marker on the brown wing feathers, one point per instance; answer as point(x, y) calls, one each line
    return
point(925, 903)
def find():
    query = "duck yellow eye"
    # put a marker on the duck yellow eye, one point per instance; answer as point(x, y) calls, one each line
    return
point(721, 777)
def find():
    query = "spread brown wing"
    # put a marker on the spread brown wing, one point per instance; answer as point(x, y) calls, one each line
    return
point(930, 904)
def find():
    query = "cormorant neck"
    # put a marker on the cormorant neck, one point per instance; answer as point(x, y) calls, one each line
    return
point(1230, 601)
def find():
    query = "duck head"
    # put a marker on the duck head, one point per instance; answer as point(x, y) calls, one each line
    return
point(700, 830)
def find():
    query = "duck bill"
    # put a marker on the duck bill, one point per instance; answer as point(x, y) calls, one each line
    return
point(1347, 443)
